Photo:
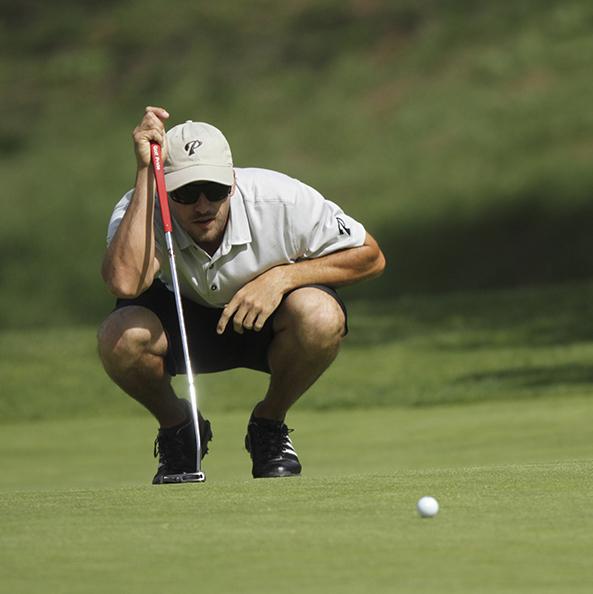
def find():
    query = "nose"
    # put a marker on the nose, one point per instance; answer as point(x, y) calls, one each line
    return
point(202, 204)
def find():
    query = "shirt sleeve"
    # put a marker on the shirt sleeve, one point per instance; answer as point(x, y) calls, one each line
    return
point(118, 214)
point(320, 227)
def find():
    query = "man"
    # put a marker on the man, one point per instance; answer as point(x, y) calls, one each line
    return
point(257, 255)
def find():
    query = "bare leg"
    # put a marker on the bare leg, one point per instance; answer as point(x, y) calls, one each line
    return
point(308, 330)
point(132, 347)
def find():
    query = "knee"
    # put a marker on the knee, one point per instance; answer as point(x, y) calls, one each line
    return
point(126, 334)
point(315, 316)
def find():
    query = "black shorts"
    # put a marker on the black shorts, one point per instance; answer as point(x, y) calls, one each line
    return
point(209, 351)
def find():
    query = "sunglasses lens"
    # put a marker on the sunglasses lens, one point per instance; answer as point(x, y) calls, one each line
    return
point(184, 195)
point(190, 193)
point(215, 192)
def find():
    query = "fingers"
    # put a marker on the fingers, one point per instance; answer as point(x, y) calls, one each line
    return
point(239, 319)
point(160, 112)
point(262, 318)
point(143, 134)
point(244, 316)
point(249, 319)
point(226, 315)
point(256, 318)
point(151, 126)
point(150, 129)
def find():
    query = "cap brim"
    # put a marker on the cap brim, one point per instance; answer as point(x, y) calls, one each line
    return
point(220, 175)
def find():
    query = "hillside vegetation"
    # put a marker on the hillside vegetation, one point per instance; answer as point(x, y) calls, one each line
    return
point(459, 132)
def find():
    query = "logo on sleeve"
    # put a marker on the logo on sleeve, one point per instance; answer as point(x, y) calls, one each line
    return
point(342, 227)
point(191, 146)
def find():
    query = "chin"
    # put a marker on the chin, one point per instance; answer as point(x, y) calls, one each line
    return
point(203, 237)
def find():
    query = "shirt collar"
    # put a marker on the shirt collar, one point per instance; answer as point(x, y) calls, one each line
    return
point(237, 231)
point(182, 238)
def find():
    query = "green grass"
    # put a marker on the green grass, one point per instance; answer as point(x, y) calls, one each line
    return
point(413, 351)
point(482, 400)
point(513, 479)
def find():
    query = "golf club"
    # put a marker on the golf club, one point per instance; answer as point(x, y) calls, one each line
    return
point(157, 162)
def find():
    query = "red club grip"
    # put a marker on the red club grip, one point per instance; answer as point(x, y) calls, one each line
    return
point(159, 176)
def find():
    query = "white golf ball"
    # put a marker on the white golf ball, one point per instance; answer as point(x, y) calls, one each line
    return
point(427, 507)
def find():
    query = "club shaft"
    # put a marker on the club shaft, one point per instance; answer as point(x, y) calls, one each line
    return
point(188, 369)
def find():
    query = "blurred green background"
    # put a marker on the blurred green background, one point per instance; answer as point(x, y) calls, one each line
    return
point(459, 132)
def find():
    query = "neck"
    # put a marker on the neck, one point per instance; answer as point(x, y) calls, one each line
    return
point(210, 247)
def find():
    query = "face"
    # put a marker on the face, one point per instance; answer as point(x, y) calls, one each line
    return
point(203, 220)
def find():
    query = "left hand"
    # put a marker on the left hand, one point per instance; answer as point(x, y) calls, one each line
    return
point(255, 302)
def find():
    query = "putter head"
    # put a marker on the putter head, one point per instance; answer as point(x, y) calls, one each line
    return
point(184, 477)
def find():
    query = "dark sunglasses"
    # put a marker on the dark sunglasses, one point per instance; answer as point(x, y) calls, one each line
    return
point(190, 193)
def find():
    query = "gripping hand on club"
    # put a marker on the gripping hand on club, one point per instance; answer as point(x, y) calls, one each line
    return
point(150, 129)
point(255, 302)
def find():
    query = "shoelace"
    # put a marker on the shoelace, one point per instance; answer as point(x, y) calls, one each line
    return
point(271, 441)
point(169, 450)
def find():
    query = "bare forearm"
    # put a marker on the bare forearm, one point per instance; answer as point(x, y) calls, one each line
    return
point(129, 262)
point(341, 268)
point(252, 305)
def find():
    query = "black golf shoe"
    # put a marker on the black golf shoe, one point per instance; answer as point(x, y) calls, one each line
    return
point(176, 449)
point(272, 452)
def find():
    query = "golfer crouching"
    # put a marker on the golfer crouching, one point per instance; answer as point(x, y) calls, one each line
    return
point(258, 256)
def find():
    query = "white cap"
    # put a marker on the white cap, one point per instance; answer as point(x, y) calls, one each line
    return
point(197, 151)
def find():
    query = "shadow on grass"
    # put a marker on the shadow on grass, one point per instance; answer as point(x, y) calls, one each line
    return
point(533, 239)
point(539, 238)
point(535, 377)
point(533, 317)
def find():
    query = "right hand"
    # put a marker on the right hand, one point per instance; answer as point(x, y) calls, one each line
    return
point(151, 128)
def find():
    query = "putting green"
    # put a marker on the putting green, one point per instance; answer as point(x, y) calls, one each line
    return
point(514, 480)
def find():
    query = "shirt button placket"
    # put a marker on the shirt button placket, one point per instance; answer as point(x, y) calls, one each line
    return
point(213, 285)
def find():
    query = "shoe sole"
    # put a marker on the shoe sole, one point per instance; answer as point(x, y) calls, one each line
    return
point(277, 474)
point(266, 476)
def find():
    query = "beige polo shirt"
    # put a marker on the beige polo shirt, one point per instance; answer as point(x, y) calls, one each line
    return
point(274, 220)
